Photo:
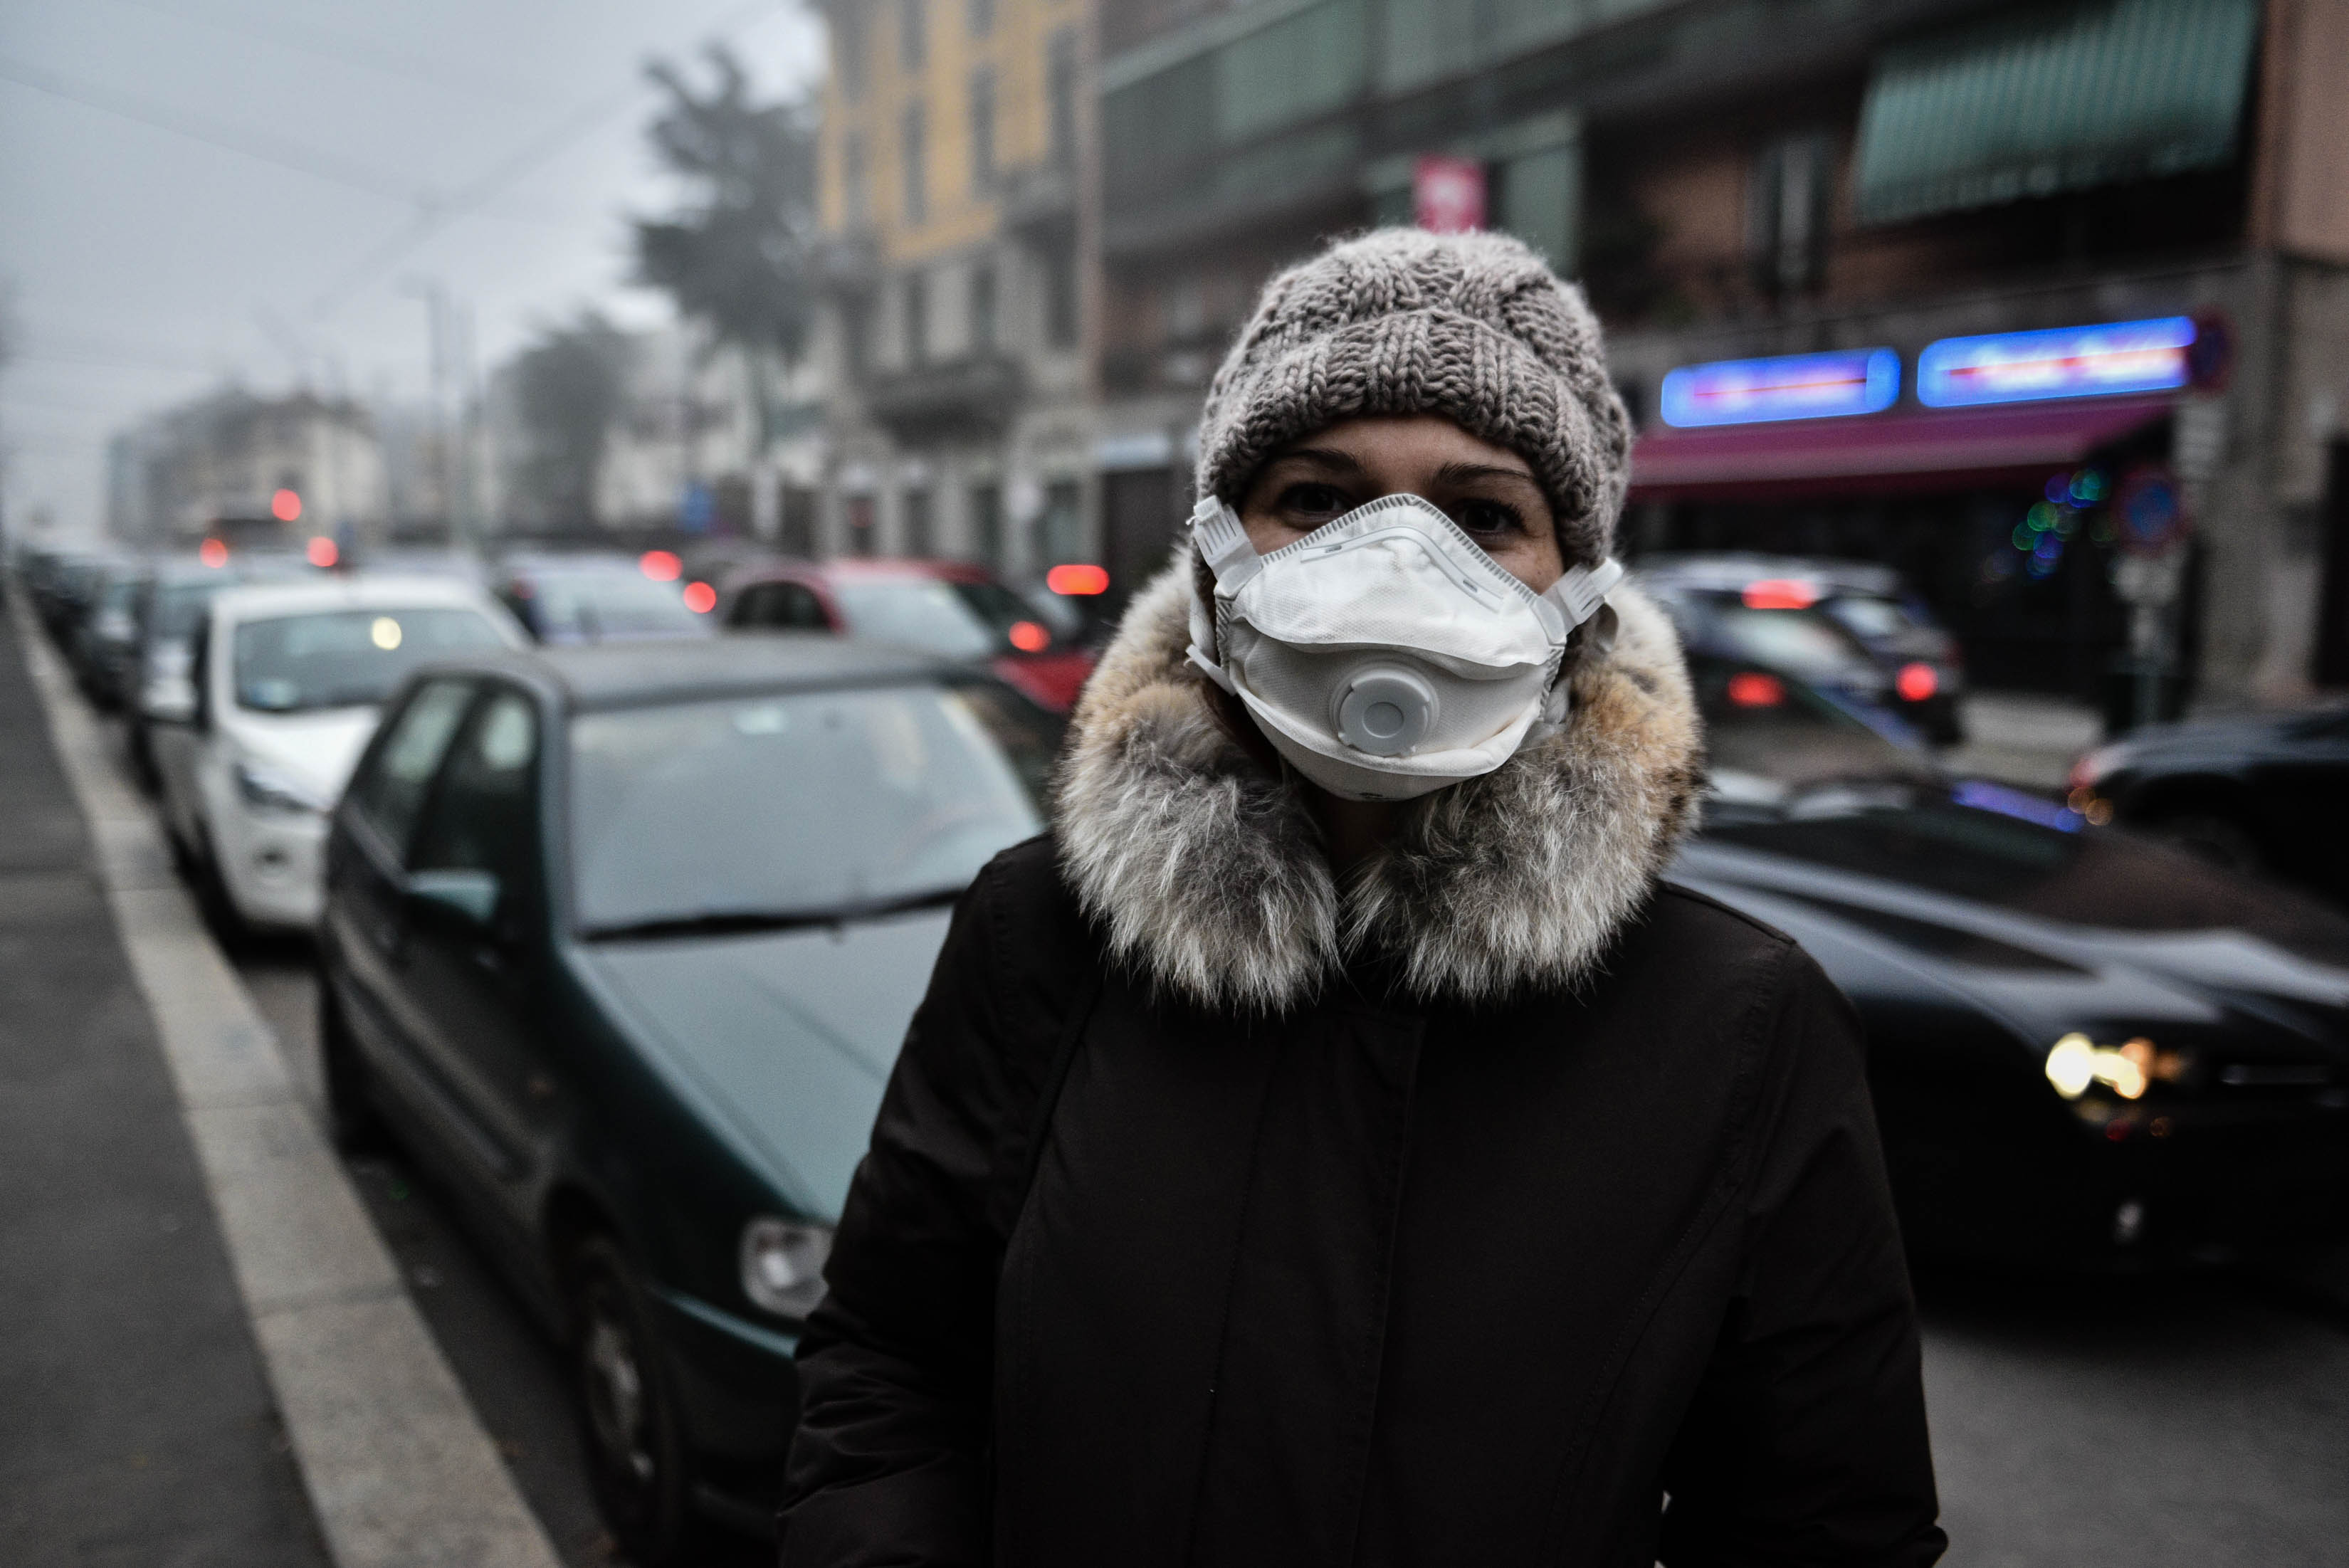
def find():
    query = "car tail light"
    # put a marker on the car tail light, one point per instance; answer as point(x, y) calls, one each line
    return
point(1917, 681)
point(1076, 580)
point(1780, 594)
point(700, 598)
point(1751, 688)
point(1029, 636)
point(660, 565)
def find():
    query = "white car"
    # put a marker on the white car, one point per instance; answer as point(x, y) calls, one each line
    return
point(283, 688)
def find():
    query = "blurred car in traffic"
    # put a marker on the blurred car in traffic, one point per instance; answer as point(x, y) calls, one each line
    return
point(953, 609)
point(564, 600)
point(2083, 1045)
point(102, 646)
point(622, 943)
point(171, 606)
point(282, 689)
point(69, 588)
point(1843, 626)
point(2260, 793)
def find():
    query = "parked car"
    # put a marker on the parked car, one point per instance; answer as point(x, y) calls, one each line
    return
point(2083, 1045)
point(949, 608)
point(564, 600)
point(103, 646)
point(283, 690)
point(1750, 605)
point(171, 606)
point(70, 590)
point(2260, 793)
point(622, 943)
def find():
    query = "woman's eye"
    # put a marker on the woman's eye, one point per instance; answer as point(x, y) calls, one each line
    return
point(1312, 500)
point(1490, 517)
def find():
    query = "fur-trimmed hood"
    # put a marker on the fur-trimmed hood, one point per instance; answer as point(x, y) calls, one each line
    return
point(1207, 871)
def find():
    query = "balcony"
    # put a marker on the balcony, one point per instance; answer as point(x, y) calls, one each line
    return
point(974, 396)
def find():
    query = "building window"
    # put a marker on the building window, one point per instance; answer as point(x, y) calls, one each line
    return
point(857, 513)
point(982, 308)
point(913, 535)
point(978, 18)
point(1786, 213)
point(987, 524)
point(914, 137)
point(856, 179)
point(856, 335)
point(982, 129)
point(915, 299)
point(798, 533)
point(849, 42)
point(1060, 265)
point(1061, 526)
point(912, 34)
point(1060, 94)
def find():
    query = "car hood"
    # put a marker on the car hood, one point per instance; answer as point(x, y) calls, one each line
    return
point(784, 1039)
point(314, 750)
point(2106, 934)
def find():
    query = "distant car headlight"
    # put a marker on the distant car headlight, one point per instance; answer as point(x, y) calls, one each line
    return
point(266, 792)
point(783, 1264)
point(2075, 1061)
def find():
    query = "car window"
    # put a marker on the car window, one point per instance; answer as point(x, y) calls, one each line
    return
point(781, 606)
point(803, 803)
point(959, 620)
point(389, 790)
point(593, 604)
point(1801, 642)
point(1865, 615)
point(347, 658)
point(483, 813)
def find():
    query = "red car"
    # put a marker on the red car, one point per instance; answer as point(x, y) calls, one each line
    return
point(946, 607)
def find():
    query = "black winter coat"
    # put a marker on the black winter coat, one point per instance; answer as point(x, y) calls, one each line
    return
point(1408, 1270)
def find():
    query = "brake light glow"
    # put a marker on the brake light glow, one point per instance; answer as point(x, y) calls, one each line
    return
point(1029, 636)
point(1917, 682)
point(1751, 688)
point(1780, 594)
point(660, 565)
point(322, 551)
point(214, 554)
point(1075, 581)
point(700, 598)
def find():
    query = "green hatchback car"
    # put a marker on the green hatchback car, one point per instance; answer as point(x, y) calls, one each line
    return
point(621, 943)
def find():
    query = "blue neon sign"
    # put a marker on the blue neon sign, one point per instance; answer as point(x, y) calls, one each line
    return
point(2066, 362)
point(1793, 386)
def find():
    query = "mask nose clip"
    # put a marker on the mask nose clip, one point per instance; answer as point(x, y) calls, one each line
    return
point(1386, 710)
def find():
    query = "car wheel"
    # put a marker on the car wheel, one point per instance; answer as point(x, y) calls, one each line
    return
point(2207, 836)
point(354, 1125)
point(629, 1423)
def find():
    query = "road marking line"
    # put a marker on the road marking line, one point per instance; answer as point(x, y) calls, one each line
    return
point(399, 1470)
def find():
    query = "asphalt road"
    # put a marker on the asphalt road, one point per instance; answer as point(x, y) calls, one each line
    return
point(2197, 1419)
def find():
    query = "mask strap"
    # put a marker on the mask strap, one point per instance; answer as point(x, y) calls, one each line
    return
point(1580, 593)
point(1223, 546)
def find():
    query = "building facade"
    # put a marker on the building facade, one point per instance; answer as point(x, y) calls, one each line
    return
point(226, 462)
point(1739, 181)
point(956, 172)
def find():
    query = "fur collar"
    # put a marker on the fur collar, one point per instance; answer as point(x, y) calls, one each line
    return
point(1207, 870)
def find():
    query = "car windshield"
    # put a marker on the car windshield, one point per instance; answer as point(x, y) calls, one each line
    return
point(1763, 723)
point(1799, 642)
point(1866, 616)
point(347, 658)
point(809, 805)
point(959, 620)
point(180, 605)
point(621, 603)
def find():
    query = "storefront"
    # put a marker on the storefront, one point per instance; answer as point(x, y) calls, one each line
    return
point(2005, 484)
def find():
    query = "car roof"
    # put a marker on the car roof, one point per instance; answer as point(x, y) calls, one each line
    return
point(1727, 571)
point(598, 676)
point(853, 569)
point(247, 601)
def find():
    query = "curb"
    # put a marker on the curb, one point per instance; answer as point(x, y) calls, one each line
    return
point(400, 1471)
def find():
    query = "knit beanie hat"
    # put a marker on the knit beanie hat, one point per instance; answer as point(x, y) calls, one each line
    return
point(1471, 326)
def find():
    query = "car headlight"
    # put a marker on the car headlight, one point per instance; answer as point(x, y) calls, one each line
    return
point(266, 792)
point(2075, 1061)
point(783, 1264)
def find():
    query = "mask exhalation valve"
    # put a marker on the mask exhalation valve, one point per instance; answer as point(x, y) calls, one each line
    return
point(1386, 711)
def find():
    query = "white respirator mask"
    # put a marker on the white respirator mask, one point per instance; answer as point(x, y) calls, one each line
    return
point(1386, 654)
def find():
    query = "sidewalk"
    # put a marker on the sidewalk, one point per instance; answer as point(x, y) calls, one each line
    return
point(140, 1428)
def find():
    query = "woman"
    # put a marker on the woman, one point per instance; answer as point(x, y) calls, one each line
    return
point(1331, 1144)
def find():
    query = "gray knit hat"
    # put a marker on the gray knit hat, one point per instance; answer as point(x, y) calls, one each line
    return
point(1470, 327)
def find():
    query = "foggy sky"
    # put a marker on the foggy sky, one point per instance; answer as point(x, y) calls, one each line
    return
point(147, 265)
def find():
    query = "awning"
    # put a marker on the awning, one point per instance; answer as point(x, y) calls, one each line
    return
point(2054, 99)
point(1927, 449)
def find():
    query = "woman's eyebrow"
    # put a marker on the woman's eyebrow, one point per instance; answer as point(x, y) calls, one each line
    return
point(1329, 458)
point(1461, 473)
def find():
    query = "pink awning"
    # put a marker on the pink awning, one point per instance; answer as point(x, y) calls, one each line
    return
point(1922, 450)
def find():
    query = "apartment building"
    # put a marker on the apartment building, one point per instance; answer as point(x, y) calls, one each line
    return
point(1747, 185)
point(953, 339)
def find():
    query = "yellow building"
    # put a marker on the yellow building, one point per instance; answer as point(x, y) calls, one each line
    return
point(953, 139)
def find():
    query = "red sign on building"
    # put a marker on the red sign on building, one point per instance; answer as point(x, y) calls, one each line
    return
point(1448, 193)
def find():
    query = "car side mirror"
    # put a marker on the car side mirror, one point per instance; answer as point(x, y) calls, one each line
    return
point(470, 894)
